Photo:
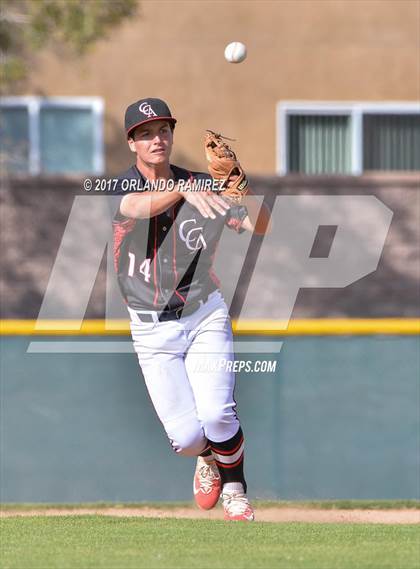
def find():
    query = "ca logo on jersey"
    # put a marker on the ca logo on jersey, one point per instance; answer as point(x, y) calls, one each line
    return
point(194, 238)
point(147, 110)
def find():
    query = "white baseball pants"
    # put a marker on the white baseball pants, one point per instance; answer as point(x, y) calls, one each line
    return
point(184, 364)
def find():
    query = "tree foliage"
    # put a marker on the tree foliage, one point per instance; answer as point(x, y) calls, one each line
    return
point(29, 25)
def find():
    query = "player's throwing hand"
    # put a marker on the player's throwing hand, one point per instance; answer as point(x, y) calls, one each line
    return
point(207, 203)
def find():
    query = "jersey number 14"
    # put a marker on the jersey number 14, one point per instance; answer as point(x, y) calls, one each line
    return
point(144, 268)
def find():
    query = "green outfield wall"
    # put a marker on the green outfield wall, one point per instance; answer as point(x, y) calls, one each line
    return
point(338, 419)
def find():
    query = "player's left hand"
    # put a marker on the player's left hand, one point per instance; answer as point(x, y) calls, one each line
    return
point(224, 166)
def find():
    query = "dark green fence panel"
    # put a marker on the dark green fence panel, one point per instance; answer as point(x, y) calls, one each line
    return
point(339, 419)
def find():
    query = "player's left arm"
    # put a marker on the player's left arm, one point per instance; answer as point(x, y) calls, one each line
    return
point(258, 219)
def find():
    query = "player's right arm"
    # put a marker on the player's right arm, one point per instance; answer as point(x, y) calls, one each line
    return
point(147, 204)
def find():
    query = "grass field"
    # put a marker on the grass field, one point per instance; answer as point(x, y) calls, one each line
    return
point(96, 541)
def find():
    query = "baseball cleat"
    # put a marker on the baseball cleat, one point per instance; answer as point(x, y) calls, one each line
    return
point(237, 507)
point(207, 484)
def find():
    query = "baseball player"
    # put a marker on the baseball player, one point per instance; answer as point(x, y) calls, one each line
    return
point(164, 244)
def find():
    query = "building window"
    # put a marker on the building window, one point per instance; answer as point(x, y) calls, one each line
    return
point(52, 136)
point(391, 142)
point(14, 139)
point(319, 144)
point(347, 139)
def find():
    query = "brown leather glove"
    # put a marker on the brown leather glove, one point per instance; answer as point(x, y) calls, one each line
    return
point(224, 167)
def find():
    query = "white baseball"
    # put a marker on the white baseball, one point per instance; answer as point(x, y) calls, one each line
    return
point(235, 52)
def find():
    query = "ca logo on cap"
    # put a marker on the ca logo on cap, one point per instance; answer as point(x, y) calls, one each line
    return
point(147, 110)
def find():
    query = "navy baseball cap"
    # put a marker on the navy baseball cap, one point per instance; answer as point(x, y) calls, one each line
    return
point(146, 110)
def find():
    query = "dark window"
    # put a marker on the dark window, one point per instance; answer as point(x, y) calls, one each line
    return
point(391, 142)
point(14, 139)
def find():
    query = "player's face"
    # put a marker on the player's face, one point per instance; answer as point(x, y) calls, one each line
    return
point(152, 142)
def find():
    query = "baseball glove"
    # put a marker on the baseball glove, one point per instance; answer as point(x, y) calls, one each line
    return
point(224, 167)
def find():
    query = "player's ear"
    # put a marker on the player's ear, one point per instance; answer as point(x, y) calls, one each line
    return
point(131, 144)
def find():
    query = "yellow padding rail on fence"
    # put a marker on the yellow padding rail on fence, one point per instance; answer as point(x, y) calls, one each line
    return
point(296, 327)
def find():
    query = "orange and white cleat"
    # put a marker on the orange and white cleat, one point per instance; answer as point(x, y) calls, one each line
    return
point(237, 507)
point(207, 484)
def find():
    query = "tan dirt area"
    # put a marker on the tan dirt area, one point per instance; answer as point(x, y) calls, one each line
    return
point(279, 515)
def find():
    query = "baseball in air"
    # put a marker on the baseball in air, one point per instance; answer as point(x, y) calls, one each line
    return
point(235, 52)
